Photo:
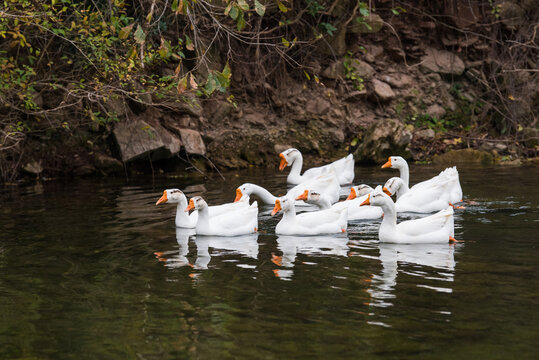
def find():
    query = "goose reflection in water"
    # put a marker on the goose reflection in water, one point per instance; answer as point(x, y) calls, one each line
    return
point(290, 246)
point(178, 259)
point(244, 245)
point(436, 262)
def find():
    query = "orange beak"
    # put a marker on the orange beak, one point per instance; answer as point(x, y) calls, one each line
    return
point(367, 201)
point(277, 207)
point(387, 191)
point(191, 206)
point(303, 196)
point(238, 195)
point(283, 163)
point(387, 164)
point(352, 195)
point(162, 199)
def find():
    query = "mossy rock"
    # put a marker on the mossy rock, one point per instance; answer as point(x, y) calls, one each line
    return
point(463, 157)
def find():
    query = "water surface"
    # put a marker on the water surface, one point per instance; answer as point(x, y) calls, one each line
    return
point(94, 270)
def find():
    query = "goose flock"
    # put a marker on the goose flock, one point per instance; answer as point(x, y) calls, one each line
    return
point(320, 187)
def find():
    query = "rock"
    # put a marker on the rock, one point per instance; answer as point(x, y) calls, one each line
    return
point(107, 163)
point(136, 139)
point(382, 139)
point(33, 167)
point(441, 61)
point(374, 50)
point(192, 141)
point(464, 156)
point(424, 134)
point(362, 69)
point(398, 81)
point(494, 147)
point(334, 71)
point(436, 111)
point(116, 106)
point(217, 110)
point(530, 137)
point(382, 90)
point(512, 15)
point(187, 104)
point(84, 169)
point(370, 24)
point(317, 106)
point(515, 162)
point(334, 45)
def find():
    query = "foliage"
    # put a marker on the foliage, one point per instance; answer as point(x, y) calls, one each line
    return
point(351, 73)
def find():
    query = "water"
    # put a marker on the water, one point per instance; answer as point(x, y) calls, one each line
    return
point(94, 270)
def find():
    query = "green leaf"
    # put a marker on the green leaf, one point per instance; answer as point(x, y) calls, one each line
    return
point(282, 7)
point(227, 9)
point(234, 12)
point(259, 8)
point(243, 5)
point(241, 22)
point(174, 5)
point(124, 32)
point(140, 36)
point(285, 42)
point(395, 11)
point(307, 75)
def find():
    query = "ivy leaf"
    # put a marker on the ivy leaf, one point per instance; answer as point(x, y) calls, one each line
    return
point(182, 85)
point(227, 9)
point(243, 5)
point(192, 82)
point(234, 12)
point(189, 43)
point(211, 84)
point(259, 8)
point(140, 36)
point(241, 22)
point(282, 7)
point(285, 42)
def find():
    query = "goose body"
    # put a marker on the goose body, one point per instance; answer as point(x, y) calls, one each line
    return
point(310, 223)
point(343, 167)
point(355, 211)
point(436, 228)
point(239, 222)
point(449, 177)
point(326, 184)
point(186, 220)
point(426, 199)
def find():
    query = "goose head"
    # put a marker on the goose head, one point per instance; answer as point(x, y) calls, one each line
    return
point(309, 196)
point(359, 190)
point(282, 204)
point(376, 198)
point(173, 196)
point(392, 186)
point(394, 162)
point(287, 158)
point(243, 190)
point(196, 203)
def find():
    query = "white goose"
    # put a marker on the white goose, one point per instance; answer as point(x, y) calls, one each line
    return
point(436, 228)
point(355, 211)
point(449, 175)
point(343, 167)
point(238, 222)
point(311, 223)
point(425, 199)
point(326, 184)
point(186, 220)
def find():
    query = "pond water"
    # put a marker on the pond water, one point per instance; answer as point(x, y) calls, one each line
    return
point(94, 270)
